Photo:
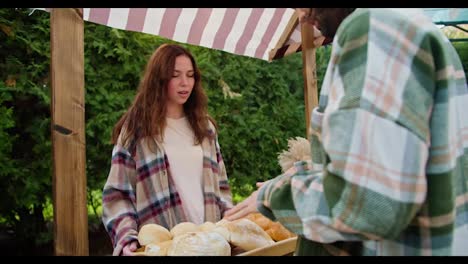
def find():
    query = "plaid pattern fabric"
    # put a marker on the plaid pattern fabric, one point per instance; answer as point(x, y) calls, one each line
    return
point(390, 137)
point(139, 190)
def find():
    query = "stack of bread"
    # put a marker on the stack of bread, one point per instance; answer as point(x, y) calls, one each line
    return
point(274, 229)
point(209, 239)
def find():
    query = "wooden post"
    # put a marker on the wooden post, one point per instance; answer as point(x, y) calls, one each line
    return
point(68, 132)
point(290, 27)
point(309, 72)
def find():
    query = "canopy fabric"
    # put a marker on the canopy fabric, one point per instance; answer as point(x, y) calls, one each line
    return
point(263, 33)
point(252, 32)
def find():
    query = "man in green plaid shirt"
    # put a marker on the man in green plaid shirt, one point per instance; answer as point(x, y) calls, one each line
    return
point(389, 172)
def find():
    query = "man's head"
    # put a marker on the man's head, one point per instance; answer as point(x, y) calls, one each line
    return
point(327, 20)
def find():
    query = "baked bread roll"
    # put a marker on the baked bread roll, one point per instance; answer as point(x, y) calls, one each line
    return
point(278, 232)
point(206, 227)
point(199, 244)
point(261, 220)
point(223, 222)
point(153, 234)
point(152, 250)
point(248, 235)
point(159, 249)
point(182, 228)
point(223, 231)
point(140, 251)
point(274, 229)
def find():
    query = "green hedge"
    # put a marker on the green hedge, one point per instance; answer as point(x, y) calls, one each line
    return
point(261, 107)
point(254, 126)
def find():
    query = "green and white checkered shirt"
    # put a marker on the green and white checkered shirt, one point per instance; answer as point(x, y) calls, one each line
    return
point(389, 174)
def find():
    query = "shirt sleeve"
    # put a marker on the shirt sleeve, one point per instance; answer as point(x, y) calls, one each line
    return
point(225, 190)
point(375, 143)
point(223, 183)
point(118, 200)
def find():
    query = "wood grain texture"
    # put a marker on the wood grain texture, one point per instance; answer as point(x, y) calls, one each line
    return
point(290, 27)
point(282, 248)
point(309, 72)
point(68, 133)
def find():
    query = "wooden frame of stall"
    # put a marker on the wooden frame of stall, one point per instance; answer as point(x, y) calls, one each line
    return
point(68, 122)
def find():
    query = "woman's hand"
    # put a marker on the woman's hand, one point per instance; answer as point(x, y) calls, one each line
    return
point(130, 248)
point(249, 205)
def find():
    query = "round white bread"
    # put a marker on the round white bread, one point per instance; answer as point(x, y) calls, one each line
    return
point(153, 234)
point(159, 249)
point(223, 231)
point(152, 250)
point(206, 227)
point(165, 247)
point(248, 235)
point(182, 228)
point(223, 222)
point(199, 244)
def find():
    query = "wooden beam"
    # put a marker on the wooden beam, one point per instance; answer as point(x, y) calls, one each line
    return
point(290, 27)
point(68, 132)
point(281, 248)
point(309, 72)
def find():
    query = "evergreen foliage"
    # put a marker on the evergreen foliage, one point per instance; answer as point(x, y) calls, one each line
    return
point(258, 106)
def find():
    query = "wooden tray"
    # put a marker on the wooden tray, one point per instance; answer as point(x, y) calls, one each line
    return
point(281, 248)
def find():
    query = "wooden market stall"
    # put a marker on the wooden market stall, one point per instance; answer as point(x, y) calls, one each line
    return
point(68, 133)
point(68, 123)
point(279, 36)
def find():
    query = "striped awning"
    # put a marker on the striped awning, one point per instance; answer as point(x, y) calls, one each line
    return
point(448, 16)
point(263, 33)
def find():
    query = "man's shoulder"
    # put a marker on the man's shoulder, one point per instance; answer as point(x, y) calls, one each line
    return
point(392, 17)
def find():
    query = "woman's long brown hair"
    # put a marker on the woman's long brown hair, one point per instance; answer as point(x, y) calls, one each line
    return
point(146, 117)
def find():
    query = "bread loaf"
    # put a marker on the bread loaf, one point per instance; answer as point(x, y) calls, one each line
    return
point(223, 222)
point(274, 229)
point(248, 235)
point(153, 234)
point(206, 227)
point(199, 244)
point(159, 249)
point(182, 228)
point(260, 220)
point(223, 231)
point(140, 251)
point(278, 232)
point(152, 250)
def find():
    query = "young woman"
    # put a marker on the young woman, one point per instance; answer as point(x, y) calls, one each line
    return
point(167, 166)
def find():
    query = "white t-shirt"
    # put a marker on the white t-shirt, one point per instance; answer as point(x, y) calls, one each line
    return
point(185, 166)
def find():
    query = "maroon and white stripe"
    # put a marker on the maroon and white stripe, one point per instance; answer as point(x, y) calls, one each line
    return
point(252, 32)
point(212, 27)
